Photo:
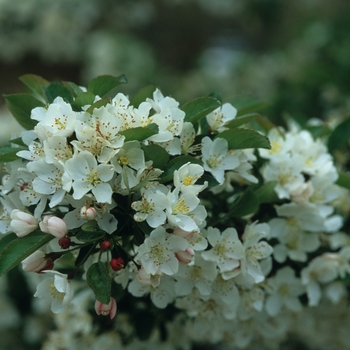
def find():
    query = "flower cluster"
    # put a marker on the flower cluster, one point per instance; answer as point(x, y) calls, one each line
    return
point(170, 205)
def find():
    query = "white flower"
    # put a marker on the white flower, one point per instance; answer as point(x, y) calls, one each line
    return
point(184, 211)
point(216, 158)
point(22, 223)
point(254, 250)
point(36, 262)
point(57, 288)
point(227, 249)
point(220, 116)
point(151, 207)
point(284, 289)
point(200, 275)
point(58, 119)
point(88, 176)
point(157, 253)
point(186, 176)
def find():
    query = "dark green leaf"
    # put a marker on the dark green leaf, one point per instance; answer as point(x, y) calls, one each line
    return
point(175, 164)
point(198, 108)
point(20, 248)
point(8, 154)
point(249, 105)
point(247, 203)
point(142, 95)
point(36, 84)
point(21, 105)
point(343, 180)
point(105, 85)
point(98, 104)
point(157, 154)
point(54, 90)
point(266, 193)
point(84, 254)
point(18, 141)
point(240, 138)
point(99, 281)
point(242, 120)
point(89, 226)
point(73, 88)
point(85, 98)
point(90, 236)
point(6, 240)
point(340, 136)
point(140, 133)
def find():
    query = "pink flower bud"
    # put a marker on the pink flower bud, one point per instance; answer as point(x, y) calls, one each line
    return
point(37, 262)
point(106, 309)
point(184, 234)
point(53, 225)
point(186, 256)
point(22, 223)
point(146, 279)
point(88, 213)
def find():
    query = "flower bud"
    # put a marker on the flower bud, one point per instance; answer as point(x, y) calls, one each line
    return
point(64, 242)
point(186, 256)
point(53, 225)
point(22, 223)
point(37, 262)
point(117, 264)
point(106, 309)
point(146, 279)
point(104, 245)
point(88, 213)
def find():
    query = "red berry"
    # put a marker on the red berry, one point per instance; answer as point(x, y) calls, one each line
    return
point(64, 242)
point(117, 264)
point(104, 245)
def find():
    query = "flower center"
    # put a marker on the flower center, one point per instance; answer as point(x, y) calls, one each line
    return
point(93, 178)
point(55, 293)
point(180, 207)
point(213, 161)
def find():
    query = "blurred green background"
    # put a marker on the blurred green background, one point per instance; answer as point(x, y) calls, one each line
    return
point(295, 55)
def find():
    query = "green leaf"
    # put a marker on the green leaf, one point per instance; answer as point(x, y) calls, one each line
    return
point(105, 85)
point(90, 236)
point(85, 98)
point(6, 240)
point(242, 120)
point(20, 248)
point(89, 226)
point(18, 141)
point(54, 90)
point(36, 84)
point(240, 138)
point(73, 88)
point(247, 203)
point(98, 104)
point(140, 133)
point(343, 180)
point(98, 279)
point(21, 105)
point(175, 164)
point(8, 154)
point(157, 154)
point(340, 136)
point(198, 108)
point(266, 193)
point(142, 95)
point(249, 105)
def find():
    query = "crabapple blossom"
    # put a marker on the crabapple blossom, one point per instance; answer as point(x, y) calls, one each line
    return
point(157, 253)
point(22, 223)
point(37, 262)
point(216, 158)
point(221, 116)
point(186, 176)
point(54, 225)
point(106, 309)
point(57, 288)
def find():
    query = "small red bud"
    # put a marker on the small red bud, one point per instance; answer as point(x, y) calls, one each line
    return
point(64, 242)
point(117, 264)
point(104, 245)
